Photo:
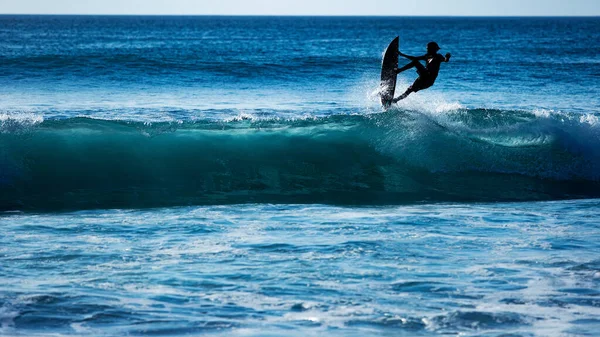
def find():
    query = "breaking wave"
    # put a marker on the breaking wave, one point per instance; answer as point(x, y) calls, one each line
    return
point(384, 158)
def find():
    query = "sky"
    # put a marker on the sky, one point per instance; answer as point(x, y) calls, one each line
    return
point(308, 7)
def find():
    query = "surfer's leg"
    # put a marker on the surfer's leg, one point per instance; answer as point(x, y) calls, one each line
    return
point(408, 66)
point(404, 95)
point(419, 84)
point(420, 68)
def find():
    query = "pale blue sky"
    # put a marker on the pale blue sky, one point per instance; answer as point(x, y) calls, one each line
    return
point(306, 7)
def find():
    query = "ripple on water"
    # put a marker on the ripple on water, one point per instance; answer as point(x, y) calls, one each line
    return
point(302, 270)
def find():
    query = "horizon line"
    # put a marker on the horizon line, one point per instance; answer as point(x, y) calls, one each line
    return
point(307, 15)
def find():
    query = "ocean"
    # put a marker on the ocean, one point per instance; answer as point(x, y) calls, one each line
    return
point(237, 176)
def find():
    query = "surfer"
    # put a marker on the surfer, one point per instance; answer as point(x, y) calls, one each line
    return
point(428, 74)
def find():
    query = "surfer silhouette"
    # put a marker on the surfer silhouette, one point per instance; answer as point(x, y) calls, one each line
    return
point(427, 74)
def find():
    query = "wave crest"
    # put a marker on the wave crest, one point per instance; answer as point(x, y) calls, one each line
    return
point(384, 158)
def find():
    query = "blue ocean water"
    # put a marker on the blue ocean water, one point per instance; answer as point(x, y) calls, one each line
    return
point(237, 176)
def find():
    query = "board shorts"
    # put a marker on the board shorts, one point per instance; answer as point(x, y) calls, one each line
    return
point(424, 81)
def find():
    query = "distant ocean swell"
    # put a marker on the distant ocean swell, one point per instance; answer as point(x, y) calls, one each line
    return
point(127, 67)
point(384, 158)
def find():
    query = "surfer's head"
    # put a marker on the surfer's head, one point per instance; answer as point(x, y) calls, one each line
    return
point(432, 47)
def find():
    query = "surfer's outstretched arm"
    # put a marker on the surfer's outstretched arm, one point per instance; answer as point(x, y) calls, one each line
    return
point(414, 58)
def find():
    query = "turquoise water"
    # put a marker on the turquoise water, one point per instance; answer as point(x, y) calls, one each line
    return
point(237, 176)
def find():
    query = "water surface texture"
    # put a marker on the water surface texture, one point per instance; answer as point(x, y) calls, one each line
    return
point(237, 176)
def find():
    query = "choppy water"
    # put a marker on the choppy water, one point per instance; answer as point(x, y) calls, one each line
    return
point(285, 202)
point(475, 269)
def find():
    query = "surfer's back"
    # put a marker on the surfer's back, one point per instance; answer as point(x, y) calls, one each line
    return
point(433, 65)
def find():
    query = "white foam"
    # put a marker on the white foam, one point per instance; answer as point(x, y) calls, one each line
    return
point(543, 113)
point(242, 116)
point(80, 328)
point(589, 119)
point(15, 120)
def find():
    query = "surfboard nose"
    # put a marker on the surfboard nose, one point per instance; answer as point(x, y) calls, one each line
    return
point(389, 64)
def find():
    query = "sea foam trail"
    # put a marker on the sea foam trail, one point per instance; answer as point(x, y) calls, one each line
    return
point(386, 158)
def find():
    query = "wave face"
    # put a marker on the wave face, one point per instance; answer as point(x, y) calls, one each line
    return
point(387, 158)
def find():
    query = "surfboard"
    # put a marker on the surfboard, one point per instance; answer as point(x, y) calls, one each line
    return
point(388, 75)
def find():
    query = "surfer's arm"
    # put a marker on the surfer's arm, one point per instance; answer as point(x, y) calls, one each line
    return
point(414, 58)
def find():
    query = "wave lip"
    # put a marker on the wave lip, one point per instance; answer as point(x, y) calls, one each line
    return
point(391, 158)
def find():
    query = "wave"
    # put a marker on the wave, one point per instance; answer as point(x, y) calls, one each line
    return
point(402, 156)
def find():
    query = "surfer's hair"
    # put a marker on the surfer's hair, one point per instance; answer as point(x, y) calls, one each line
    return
point(433, 45)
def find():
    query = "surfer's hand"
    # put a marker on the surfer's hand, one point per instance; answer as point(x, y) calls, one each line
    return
point(448, 55)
